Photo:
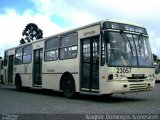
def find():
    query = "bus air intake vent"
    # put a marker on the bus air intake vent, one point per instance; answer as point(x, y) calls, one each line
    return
point(135, 80)
point(138, 87)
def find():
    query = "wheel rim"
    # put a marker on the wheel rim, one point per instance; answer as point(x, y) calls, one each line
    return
point(68, 87)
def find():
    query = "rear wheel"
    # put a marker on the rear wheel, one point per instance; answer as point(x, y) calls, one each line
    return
point(18, 83)
point(106, 95)
point(69, 87)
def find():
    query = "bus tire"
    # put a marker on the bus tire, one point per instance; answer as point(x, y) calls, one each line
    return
point(69, 87)
point(18, 83)
point(106, 95)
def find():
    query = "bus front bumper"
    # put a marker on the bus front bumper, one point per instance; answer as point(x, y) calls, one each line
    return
point(126, 87)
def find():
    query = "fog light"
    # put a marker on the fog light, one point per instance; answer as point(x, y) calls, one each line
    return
point(151, 76)
point(110, 77)
point(124, 85)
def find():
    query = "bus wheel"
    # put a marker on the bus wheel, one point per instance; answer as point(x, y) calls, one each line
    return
point(18, 83)
point(106, 95)
point(69, 87)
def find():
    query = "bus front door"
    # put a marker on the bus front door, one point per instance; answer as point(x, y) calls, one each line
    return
point(37, 68)
point(90, 64)
point(10, 69)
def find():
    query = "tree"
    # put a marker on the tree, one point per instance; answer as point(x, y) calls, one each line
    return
point(155, 58)
point(31, 33)
point(22, 41)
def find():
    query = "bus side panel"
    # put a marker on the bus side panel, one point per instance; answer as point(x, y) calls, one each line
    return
point(70, 66)
point(51, 81)
point(26, 80)
point(25, 71)
point(50, 75)
point(53, 71)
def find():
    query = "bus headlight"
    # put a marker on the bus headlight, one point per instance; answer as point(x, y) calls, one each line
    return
point(120, 76)
point(116, 76)
point(151, 76)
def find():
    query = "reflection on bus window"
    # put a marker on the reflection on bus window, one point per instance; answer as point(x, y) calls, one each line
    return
point(128, 50)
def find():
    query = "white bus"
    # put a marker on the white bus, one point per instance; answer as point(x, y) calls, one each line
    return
point(105, 57)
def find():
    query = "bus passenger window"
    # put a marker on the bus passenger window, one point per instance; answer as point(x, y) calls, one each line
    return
point(68, 46)
point(51, 49)
point(18, 59)
point(27, 54)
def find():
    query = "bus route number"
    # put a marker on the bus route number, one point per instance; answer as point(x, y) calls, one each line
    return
point(123, 70)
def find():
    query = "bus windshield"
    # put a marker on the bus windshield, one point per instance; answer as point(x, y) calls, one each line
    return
point(125, 49)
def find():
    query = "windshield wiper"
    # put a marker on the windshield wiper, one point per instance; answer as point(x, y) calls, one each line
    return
point(126, 38)
point(139, 37)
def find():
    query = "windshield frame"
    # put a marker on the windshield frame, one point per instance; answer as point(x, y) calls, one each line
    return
point(123, 35)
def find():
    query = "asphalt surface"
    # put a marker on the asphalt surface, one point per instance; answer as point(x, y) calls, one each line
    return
point(33, 101)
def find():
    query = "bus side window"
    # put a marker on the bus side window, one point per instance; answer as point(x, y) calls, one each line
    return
point(68, 47)
point(27, 54)
point(18, 57)
point(51, 49)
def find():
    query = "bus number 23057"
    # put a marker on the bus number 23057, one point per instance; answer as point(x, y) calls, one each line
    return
point(123, 70)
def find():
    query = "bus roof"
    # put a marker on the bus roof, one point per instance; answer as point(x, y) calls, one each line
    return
point(76, 29)
point(125, 22)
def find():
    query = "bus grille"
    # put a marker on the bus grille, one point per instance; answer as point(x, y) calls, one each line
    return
point(138, 87)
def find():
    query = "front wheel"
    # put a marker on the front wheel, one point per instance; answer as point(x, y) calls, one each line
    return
point(69, 87)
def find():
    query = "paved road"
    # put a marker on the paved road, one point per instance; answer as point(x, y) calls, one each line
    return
point(49, 102)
